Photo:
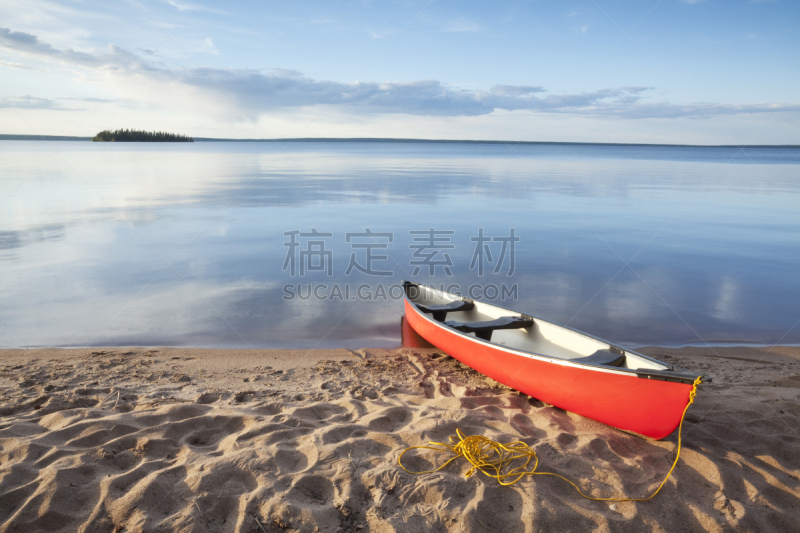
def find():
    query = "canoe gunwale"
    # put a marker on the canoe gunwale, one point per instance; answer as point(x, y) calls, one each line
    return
point(673, 373)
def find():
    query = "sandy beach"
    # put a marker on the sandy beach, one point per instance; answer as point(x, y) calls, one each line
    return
point(165, 439)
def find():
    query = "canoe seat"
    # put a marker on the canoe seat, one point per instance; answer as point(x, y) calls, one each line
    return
point(602, 358)
point(483, 330)
point(440, 311)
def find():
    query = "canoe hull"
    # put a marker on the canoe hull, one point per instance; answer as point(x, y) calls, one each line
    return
point(649, 407)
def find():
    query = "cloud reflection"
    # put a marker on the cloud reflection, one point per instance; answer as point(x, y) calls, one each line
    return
point(218, 211)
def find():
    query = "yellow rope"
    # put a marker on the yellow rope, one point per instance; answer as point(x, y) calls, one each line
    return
point(491, 458)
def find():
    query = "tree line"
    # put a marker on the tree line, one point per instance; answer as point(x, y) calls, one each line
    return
point(140, 136)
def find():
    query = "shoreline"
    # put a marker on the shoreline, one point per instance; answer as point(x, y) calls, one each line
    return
point(22, 137)
point(630, 346)
point(133, 438)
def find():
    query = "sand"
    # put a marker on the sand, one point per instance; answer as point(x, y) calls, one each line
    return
point(139, 439)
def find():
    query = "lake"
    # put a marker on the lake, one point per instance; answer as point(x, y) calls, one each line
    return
point(258, 244)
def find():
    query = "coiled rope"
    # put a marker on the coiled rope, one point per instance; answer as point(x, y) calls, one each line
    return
point(495, 459)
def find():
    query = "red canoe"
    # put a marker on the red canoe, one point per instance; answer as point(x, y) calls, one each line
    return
point(558, 365)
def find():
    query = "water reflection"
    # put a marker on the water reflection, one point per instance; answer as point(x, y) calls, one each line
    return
point(184, 245)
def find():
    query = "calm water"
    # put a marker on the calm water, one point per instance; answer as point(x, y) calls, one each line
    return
point(184, 245)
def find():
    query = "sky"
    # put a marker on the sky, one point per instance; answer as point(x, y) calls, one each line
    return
point(652, 71)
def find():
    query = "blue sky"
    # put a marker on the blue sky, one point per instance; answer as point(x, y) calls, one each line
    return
point(673, 71)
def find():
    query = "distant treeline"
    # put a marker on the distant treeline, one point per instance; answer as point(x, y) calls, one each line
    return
point(140, 136)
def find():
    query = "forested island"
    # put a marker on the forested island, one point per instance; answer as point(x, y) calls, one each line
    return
point(140, 136)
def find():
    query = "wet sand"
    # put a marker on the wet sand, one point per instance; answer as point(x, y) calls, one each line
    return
point(163, 439)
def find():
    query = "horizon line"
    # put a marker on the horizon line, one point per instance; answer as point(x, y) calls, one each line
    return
point(16, 137)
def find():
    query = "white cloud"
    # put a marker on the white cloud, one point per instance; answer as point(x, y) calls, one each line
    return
point(194, 6)
point(262, 92)
point(29, 102)
point(181, 6)
point(211, 48)
point(30, 45)
point(381, 34)
point(10, 64)
point(516, 90)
